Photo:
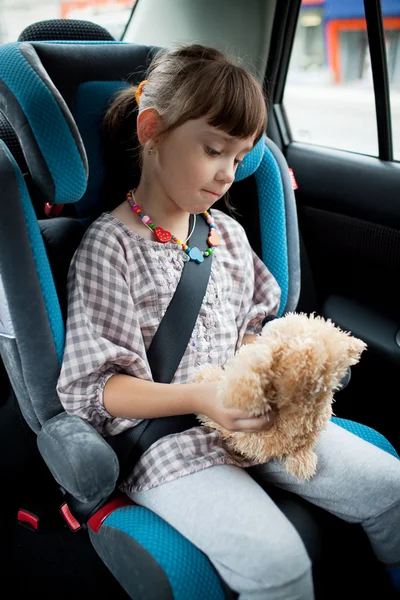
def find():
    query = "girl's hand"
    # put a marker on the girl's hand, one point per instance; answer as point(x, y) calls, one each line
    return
point(232, 419)
point(249, 338)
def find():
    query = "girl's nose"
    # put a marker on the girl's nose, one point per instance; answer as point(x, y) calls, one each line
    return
point(227, 174)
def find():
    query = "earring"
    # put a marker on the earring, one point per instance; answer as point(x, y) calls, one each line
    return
point(150, 151)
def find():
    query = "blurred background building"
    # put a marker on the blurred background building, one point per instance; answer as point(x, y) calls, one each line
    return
point(332, 39)
point(15, 15)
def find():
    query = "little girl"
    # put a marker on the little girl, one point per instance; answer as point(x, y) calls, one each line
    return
point(198, 116)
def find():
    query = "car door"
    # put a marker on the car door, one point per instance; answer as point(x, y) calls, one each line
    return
point(333, 87)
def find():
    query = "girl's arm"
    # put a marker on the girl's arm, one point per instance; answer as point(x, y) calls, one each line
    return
point(133, 398)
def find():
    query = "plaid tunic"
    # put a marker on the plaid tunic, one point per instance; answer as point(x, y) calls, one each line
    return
point(119, 287)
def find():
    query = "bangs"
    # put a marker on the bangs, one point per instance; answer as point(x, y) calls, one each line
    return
point(226, 94)
point(238, 107)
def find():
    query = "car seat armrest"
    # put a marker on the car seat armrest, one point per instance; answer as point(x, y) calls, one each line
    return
point(381, 333)
point(79, 459)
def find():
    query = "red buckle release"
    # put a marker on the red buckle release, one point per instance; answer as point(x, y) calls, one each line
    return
point(293, 180)
point(28, 519)
point(72, 523)
point(53, 210)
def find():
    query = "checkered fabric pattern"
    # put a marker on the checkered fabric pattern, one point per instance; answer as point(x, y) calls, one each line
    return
point(119, 287)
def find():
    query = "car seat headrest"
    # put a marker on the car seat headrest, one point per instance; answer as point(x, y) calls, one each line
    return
point(49, 91)
point(64, 29)
point(49, 137)
point(251, 161)
point(55, 96)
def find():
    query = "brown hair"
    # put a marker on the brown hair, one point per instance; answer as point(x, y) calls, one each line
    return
point(191, 82)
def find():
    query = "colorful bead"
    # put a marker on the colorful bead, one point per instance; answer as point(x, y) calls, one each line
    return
point(196, 254)
point(164, 236)
point(213, 238)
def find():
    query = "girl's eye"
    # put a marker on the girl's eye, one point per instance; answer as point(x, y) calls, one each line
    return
point(211, 151)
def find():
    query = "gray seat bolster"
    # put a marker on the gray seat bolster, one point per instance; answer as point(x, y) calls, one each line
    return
point(78, 457)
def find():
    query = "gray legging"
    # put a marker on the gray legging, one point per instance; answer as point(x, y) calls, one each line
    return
point(253, 546)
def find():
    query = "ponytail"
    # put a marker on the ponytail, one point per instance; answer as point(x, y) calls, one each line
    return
point(122, 109)
point(121, 149)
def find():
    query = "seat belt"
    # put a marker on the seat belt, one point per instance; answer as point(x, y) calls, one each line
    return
point(173, 334)
point(165, 353)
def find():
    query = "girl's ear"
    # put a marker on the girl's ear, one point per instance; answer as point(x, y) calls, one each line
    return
point(149, 125)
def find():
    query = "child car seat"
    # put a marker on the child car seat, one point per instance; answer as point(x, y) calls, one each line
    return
point(54, 95)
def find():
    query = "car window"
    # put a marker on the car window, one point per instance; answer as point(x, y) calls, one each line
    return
point(392, 39)
point(15, 15)
point(329, 95)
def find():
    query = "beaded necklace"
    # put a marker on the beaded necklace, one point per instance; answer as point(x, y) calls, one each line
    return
point(164, 236)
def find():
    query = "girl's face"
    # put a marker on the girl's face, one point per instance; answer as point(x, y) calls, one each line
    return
point(196, 164)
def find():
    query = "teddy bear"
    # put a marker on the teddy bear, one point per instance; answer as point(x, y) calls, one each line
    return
point(293, 368)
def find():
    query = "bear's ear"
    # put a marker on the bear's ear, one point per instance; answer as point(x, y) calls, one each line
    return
point(355, 348)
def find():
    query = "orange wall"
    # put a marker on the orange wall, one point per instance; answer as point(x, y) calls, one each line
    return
point(333, 29)
point(69, 5)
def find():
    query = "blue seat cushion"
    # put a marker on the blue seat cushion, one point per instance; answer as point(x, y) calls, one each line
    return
point(367, 433)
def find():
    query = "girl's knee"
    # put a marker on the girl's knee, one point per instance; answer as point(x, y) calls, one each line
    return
point(283, 565)
point(378, 488)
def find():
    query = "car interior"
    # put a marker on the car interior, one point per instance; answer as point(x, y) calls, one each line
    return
point(324, 220)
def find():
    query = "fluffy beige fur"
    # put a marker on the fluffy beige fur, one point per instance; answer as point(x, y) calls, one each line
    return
point(294, 367)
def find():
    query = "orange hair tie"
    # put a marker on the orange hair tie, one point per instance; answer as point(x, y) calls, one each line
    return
point(139, 91)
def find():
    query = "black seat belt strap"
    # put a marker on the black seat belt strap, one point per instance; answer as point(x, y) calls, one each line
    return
point(165, 353)
point(173, 334)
